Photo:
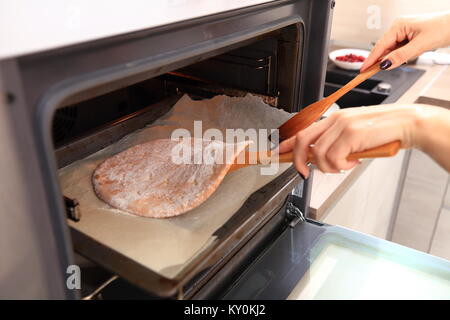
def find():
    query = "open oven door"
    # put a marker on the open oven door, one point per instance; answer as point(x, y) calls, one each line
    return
point(311, 260)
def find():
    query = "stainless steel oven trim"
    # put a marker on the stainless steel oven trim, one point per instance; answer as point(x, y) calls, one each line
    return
point(38, 84)
point(58, 93)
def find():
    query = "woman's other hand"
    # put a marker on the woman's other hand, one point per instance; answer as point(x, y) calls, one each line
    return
point(408, 38)
point(357, 129)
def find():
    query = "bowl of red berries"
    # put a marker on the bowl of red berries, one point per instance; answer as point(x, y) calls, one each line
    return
point(350, 59)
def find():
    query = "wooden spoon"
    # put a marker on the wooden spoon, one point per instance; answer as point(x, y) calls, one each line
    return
point(314, 111)
point(386, 150)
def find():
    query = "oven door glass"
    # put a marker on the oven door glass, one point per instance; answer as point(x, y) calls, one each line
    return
point(314, 261)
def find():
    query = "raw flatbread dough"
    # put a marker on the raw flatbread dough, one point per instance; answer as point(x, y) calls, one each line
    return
point(145, 181)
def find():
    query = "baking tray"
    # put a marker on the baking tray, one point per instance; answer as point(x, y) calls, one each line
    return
point(137, 248)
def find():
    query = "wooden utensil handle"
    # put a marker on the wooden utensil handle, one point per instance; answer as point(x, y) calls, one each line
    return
point(312, 113)
point(363, 76)
point(386, 150)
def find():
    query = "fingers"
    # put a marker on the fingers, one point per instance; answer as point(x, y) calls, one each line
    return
point(303, 140)
point(322, 134)
point(397, 45)
point(289, 144)
point(338, 152)
point(384, 45)
point(286, 146)
point(408, 38)
point(323, 144)
point(362, 134)
point(403, 54)
point(333, 146)
point(347, 131)
point(400, 44)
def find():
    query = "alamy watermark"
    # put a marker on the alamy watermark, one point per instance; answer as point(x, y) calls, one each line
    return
point(73, 281)
point(226, 148)
point(373, 17)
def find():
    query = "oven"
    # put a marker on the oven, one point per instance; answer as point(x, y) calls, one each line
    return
point(63, 105)
point(67, 103)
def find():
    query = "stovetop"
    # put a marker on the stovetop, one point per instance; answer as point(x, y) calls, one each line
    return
point(383, 87)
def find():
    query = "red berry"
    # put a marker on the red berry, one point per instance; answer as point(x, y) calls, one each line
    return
point(351, 58)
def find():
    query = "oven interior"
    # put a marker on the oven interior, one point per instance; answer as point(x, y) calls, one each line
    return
point(268, 66)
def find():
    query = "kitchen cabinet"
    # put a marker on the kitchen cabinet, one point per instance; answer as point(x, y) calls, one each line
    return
point(422, 220)
point(369, 203)
point(440, 245)
point(405, 199)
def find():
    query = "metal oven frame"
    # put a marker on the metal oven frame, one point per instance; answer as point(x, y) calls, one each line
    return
point(35, 86)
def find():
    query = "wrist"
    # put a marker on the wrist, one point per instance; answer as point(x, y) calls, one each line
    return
point(424, 116)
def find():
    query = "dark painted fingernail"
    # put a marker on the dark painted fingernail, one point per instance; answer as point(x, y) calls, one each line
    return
point(385, 64)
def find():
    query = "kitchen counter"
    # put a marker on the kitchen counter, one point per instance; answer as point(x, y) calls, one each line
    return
point(328, 189)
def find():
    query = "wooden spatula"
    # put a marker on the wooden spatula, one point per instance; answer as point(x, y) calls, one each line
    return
point(313, 112)
point(387, 150)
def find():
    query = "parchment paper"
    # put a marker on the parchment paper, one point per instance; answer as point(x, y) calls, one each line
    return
point(166, 245)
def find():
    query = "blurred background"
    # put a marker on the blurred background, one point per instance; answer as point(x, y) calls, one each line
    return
point(361, 23)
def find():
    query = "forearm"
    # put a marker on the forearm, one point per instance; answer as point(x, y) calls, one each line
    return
point(424, 127)
point(433, 138)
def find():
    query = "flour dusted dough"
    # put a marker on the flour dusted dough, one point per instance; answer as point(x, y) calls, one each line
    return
point(143, 180)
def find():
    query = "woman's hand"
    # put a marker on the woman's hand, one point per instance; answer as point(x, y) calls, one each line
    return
point(408, 38)
point(357, 129)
